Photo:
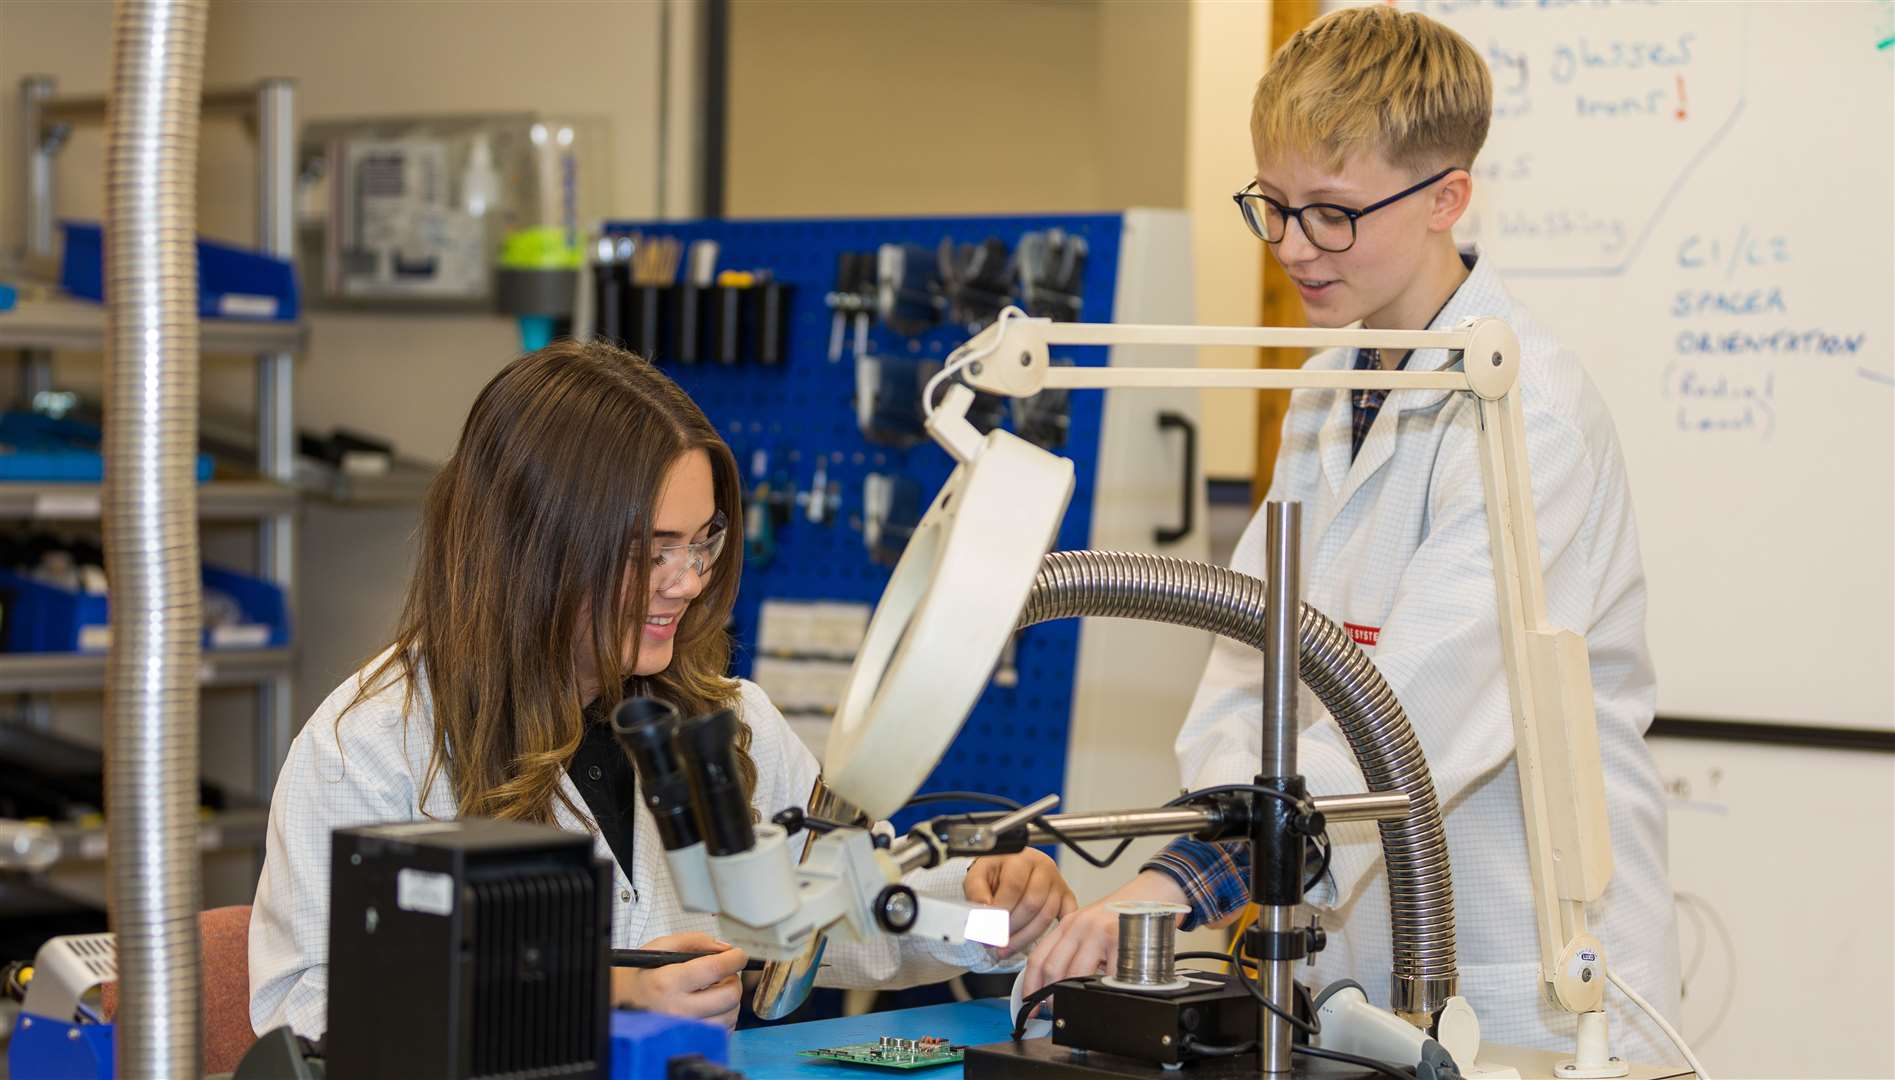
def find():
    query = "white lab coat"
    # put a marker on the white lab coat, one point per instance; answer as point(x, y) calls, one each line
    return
point(1396, 543)
point(368, 769)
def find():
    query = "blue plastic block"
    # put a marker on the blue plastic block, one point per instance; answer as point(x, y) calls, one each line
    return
point(46, 1049)
point(232, 283)
point(40, 449)
point(46, 618)
point(7, 297)
point(644, 1043)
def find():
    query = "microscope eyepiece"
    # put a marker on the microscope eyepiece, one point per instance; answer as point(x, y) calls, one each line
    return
point(707, 746)
point(645, 728)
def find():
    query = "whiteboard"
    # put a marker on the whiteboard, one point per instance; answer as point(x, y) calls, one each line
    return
point(1699, 200)
point(1805, 921)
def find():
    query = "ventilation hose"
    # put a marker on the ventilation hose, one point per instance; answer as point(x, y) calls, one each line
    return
point(1152, 588)
point(151, 545)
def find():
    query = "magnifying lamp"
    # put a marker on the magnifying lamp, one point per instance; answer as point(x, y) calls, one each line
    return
point(948, 611)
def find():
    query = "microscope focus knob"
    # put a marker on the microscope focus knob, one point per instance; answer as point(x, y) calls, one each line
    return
point(896, 909)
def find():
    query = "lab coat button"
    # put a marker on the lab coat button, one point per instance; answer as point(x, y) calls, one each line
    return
point(625, 895)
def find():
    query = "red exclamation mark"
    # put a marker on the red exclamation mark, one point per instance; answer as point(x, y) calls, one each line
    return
point(1681, 97)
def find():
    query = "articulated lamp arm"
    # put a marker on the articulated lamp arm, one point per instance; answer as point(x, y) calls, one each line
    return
point(1548, 678)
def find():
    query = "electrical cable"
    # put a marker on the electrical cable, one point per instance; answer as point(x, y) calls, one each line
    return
point(1664, 1025)
point(14, 977)
point(1322, 864)
point(1398, 1072)
point(1073, 846)
point(1275, 793)
point(1700, 912)
point(1208, 954)
point(959, 359)
point(1030, 1002)
point(1205, 1049)
point(1311, 1027)
point(1002, 801)
point(960, 796)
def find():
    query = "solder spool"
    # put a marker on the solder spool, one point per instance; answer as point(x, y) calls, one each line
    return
point(1147, 960)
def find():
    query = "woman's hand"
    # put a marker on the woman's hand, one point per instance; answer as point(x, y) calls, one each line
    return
point(708, 988)
point(1028, 885)
point(1088, 942)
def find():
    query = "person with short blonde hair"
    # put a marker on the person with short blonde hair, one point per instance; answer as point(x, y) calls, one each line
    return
point(1365, 128)
point(1395, 83)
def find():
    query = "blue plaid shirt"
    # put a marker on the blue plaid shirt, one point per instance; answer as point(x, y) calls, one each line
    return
point(1368, 403)
point(1215, 877)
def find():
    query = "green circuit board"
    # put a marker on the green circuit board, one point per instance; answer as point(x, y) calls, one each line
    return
point(891, 1053)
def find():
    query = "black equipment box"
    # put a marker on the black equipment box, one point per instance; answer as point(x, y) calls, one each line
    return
point(1102, 1032)
point(466, 949)
point(1039, 1059)
point(1156, 1027)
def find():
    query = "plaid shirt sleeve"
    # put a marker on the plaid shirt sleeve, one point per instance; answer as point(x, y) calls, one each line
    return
point(1215, 877)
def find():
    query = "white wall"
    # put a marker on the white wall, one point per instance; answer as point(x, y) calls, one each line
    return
point(859, 108)
point(1229, 46)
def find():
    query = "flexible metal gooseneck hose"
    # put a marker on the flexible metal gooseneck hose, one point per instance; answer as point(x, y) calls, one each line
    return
point(1133, 585)
point(151, 530)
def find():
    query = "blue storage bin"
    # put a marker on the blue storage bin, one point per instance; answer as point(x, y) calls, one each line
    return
point(232, 283)
point(42, 618)
point(35, 448)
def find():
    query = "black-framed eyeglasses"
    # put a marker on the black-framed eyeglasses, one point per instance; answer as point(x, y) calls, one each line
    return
point(1327, 226)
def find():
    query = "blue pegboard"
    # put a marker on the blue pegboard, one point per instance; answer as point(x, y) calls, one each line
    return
point(1014, 743)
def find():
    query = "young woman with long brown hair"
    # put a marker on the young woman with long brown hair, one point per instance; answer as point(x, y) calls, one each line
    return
point(572, 553)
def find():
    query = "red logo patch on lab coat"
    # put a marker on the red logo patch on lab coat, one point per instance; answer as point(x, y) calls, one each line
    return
point(1363, 635)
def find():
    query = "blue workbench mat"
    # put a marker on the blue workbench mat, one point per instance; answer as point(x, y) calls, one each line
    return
point(770, 1053)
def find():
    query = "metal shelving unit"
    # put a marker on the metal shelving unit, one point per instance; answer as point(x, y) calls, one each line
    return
point(61, 323)
point(219, 500)
point(47, 673)
point(38, 326)
point(35, 847)
point(405, 482)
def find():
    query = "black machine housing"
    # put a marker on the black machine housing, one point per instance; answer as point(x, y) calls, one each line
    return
point(1156, 1027)
point(467, 949)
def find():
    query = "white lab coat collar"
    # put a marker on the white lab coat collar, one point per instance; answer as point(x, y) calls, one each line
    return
point(1480, 294)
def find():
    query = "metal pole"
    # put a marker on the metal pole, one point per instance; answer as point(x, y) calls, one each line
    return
point(276, 421)
point(1282, 610)
point(1369, 806)
point(1280, 988)
point(1279, 850)
point(34, 90)
point(229, 101)
point(36, 365)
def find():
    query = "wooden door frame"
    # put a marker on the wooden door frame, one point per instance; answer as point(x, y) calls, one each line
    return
point(1280, 305)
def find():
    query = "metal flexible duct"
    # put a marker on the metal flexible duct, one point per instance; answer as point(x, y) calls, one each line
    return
point(1133, 585)
point(151, 530)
